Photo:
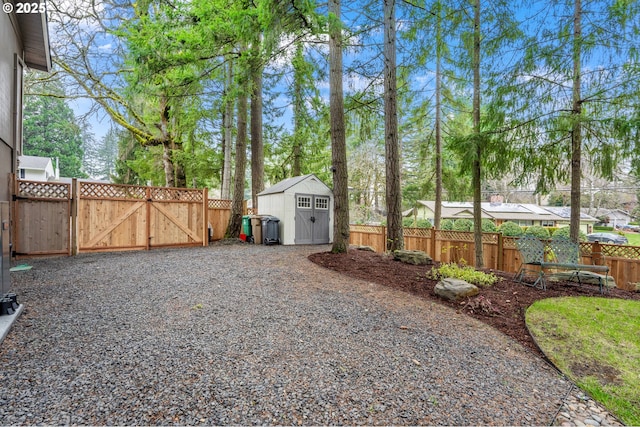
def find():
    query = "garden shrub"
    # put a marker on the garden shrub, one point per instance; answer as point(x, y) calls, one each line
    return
point(564, 232)
point(424, 223)
point(446, 224)
point(510, 228)
point(488, 226)
point(463, 224)
point(538, 231)
point(408, 222)
point(464, 272)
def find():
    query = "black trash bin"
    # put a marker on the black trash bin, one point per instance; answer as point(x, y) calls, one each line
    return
point(270, 230)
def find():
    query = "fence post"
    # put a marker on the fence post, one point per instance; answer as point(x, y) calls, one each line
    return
point(596, 253)
point(433, 244)
point(205, 217)
point(500, 261)
point(148, 206)
point(74, 217)
point(384, 239)
point(13, 219)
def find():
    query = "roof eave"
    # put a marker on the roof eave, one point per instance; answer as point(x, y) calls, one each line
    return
point(35, 38)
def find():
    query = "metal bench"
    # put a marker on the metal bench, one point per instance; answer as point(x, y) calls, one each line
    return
point(563, 254)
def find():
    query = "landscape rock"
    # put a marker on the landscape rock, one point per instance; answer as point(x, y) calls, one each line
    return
point(585, 277)
point(412, 257)
point(363, 248)
point(455, 289)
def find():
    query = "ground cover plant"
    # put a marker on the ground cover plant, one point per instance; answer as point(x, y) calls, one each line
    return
point(596, 343)
point(502, 305)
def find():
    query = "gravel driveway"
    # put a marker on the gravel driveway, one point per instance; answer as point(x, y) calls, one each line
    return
point(248, 334)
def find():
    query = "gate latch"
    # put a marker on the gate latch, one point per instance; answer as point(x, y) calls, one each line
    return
point(313, 219)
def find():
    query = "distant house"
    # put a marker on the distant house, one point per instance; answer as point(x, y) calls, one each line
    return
point(586, 221)
point(615, 217)
point(523, 214)
point(34, 168)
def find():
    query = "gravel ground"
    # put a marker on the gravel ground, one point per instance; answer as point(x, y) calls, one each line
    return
point(248, 334)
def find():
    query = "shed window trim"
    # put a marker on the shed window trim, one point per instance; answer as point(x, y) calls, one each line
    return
point(322, 203)
point(303, 202)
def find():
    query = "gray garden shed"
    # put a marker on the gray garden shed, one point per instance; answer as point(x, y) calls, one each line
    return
point(304, 206)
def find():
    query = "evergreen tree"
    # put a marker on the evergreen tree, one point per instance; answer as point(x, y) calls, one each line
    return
point(50, 128)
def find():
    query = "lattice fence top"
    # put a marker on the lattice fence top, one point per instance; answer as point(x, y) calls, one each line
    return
point(219, 204)
point(376, 229)
point(618, 251)
point(181, 194)
point(45, 190)
point(251, 211)
point(463, 236)
point(509, 242)
point(416, 232)
point(97, 190)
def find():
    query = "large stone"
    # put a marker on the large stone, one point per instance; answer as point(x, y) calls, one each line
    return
point(584, 277)
point(455, 289)
point(412, 257)
point(362, 248)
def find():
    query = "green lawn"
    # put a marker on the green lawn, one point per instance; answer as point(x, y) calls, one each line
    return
point(634, 238)
point(596, 343)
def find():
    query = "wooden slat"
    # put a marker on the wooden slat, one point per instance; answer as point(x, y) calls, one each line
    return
point(177, 222)
point(116, 222)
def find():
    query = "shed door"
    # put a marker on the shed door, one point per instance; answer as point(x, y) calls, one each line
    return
point(312, 219)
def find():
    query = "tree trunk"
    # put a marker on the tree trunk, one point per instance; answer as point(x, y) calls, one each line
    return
point(298, 106)
point(338, 140)
point(477, 162)
point(179, 173)
point(438, 203)
point(257, 146)
point(228, 124)
point(576, 131)
point(167, 144)
point(169, 177)
point(235, 222)
point(395, 239)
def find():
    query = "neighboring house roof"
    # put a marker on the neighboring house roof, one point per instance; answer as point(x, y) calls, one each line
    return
point(451, 209)
point(612, 213)
point(34, 162)
point(286, 184)
point(496, 211)
point(35, 39)
point(565, 213)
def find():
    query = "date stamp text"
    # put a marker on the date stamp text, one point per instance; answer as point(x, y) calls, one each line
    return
point(24, 7)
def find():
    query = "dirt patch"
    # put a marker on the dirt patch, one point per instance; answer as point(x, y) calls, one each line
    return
point(508, 300)
point(603, 373)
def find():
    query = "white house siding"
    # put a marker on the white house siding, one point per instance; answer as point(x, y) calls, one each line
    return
point(9, 46)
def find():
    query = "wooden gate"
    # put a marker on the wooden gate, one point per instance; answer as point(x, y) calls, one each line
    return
point(128, 217)
point(42, 212)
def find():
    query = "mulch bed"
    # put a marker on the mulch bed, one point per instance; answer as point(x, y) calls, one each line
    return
point(504, 304)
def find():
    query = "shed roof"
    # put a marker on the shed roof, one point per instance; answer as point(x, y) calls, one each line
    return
point(286, 184)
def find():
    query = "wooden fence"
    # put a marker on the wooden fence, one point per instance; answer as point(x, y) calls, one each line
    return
point(57, 218)
point(499, 252)
point(42, 218)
